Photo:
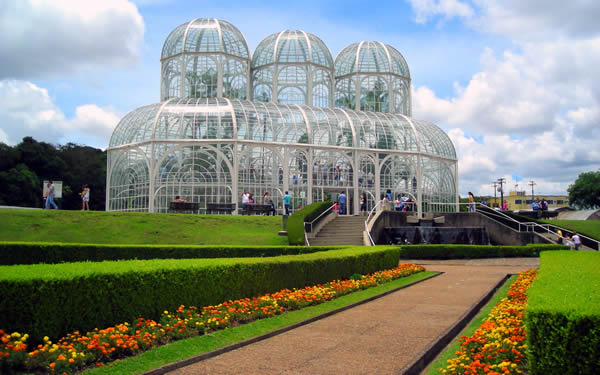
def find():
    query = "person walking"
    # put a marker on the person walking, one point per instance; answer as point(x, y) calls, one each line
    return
point(471, 202)
point(560, 237)
point(363, 204)
point(245, 202)
point(342, 199)
point(576, 241)
point(50, 196)
point(505, 206)
point(286, 203)
point(85, 198)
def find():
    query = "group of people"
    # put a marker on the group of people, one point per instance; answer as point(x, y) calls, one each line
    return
point(540, 207)
point(340, 205)
point(574, 242)
point(248, 200)
point(51, 193)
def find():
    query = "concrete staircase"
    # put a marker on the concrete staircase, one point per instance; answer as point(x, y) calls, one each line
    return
point(343, 230)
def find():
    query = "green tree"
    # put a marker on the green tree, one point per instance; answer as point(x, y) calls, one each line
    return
point(585, 191)
point(20, 187)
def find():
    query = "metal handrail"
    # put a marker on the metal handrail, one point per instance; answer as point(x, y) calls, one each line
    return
point(317, 218)
point(306, 239)
point(367, 222)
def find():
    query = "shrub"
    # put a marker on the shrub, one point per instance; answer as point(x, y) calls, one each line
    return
point(55, 299)
point(474, 251)
point(295, 224)
point(44, 252)
point(563, 318)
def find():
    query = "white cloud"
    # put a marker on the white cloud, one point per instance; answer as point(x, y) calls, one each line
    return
point(46, 38)
point(28, 110)
point(426, 9)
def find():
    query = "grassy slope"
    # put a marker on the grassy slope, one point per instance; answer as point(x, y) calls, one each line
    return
point(180, 350)
point(138, 228)
point(568, 282)
point(449, 352)
point(590, 228)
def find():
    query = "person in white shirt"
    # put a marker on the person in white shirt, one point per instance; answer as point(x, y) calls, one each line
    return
point(576, 241)
point(245, 202)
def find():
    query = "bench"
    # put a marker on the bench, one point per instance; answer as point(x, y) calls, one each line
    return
point(542, 214)
point(184, 206)
point(252, 209)
point(220, 207)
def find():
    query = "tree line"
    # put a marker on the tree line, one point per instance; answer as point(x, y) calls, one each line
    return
point(25, 166)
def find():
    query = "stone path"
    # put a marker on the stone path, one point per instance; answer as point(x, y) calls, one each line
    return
point(379, 337)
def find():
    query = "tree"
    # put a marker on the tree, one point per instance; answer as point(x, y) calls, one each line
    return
point(585, 191)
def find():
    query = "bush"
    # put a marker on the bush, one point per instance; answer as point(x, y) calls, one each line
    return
point(563, 318)
point(55, 299)
point(295, 224)
point(474, 251)
point(40, 252)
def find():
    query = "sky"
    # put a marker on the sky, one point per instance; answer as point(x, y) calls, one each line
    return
point(515, 84)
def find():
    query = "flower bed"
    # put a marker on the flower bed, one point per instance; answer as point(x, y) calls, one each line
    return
point(498, 346)
point(76, 350)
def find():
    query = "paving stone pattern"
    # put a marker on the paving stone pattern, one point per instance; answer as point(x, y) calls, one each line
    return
point(379, 337)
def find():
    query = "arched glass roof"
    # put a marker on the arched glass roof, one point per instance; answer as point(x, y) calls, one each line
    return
point(370, 57)
point(292, 46)
point(205, 35)
point(215, 118)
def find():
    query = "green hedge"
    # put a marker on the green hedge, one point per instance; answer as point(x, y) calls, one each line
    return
point(53, 300)
point(295, 223)
point(40, 252)
point(563, 314)
point(474, 251)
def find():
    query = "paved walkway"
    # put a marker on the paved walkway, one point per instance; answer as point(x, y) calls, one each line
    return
point(379, 337)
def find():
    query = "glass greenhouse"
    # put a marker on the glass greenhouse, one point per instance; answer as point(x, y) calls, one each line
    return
point(207, 143)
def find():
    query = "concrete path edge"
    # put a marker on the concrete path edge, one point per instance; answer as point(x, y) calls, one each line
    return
point(201, 357)
point(431, 352)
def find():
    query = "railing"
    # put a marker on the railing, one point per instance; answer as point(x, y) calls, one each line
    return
point(375, 209)
point(316, 219)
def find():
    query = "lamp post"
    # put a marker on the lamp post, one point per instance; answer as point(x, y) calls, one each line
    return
point(501, 181)
point(494, 184)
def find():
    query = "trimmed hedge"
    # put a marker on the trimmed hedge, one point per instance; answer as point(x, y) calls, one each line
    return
point(563, 315)
point(47, 252)
point(295, 223)
point(474, 251)
point(56, 299)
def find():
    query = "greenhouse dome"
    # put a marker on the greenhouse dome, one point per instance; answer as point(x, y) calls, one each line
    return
point(293, 67)
point(205, 58)
point(210, 150)
point(372, 76)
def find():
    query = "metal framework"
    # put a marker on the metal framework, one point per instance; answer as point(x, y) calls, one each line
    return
point(374, 77)
point(205, 58)
point(205, 143)
point(211, 150)
point(293, 67)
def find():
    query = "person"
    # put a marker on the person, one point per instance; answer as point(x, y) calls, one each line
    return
point(50, 196)
point(471, 202)
point(178, 199)
point(245, 202)
point(336, 207)
point(286, 203)
point(483, 202)
point(85, 198)
point(267, 200)
point(342, 199)
point(535, 206)
point(560, 237)
point(576, 241)
point(505, 206)
point(569, 242)
point(363, 204)
point(544, 208)
point(398, 203)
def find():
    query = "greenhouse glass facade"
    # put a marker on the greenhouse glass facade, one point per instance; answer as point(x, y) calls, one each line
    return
point(209, 147)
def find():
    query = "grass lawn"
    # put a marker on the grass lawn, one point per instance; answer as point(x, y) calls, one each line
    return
point(138, 228)
point(180, 350)
point(590, 228)
point(448, 353)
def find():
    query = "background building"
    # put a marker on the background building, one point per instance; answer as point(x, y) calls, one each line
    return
point(204, 142)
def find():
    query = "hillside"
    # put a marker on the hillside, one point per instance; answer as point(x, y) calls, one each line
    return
point(138, 228)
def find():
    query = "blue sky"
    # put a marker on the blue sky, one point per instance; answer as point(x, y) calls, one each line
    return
point(513, 83)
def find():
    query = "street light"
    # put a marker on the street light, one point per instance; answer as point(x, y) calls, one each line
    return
point(494, 184)
point(532, 184)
